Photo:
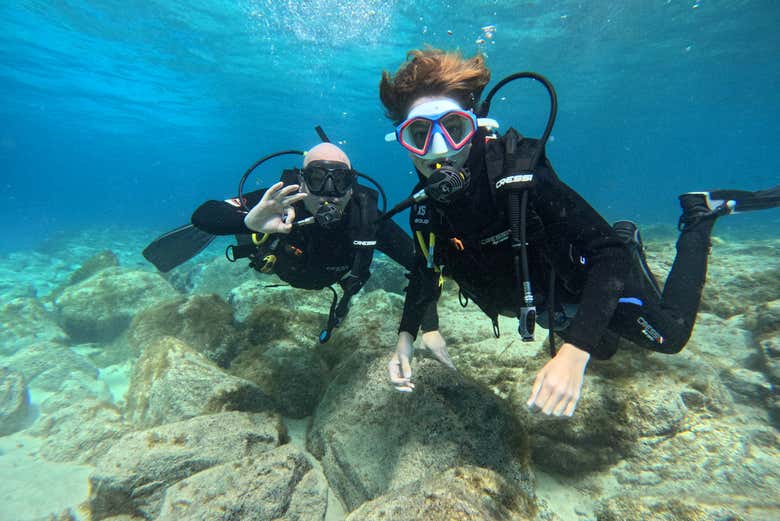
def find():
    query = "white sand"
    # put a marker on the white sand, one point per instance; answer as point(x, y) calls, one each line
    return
point(32, 488)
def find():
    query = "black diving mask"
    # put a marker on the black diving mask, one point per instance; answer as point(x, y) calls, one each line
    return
point(328, 178)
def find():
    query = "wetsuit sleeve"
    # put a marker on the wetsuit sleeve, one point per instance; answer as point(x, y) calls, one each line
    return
point(396, 244)
point(570, 220)
point(422, 293)
point(224, 217)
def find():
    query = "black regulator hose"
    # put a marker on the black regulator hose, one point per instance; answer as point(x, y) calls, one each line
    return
point(253, 167)
point(518, 201)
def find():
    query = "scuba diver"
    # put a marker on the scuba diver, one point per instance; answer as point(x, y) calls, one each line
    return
point(314, 228)
point(490, 212)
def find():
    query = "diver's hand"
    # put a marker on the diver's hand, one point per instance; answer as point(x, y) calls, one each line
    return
point(557, 387)
point(274, 213)
point(435, 343)
point(400, 366)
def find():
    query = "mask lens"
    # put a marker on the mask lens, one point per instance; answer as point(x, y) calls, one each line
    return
point(415, 135)
point(459, 127)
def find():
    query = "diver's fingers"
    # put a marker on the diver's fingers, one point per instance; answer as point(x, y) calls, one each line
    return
point(569, 411)
point(289, 215)
point(292, 199)
point(284, 192)
point(563, 404)
point(271, 192)
point(536, 389)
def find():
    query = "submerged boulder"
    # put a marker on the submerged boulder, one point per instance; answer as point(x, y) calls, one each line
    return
point(47, 365)
point(395, 439)
point(24, 322)
point(131, 478)
point(205, 322)
point(101, 307)
point(14, 401)
point(82, 430)
point(171, 382)
point(462, 493)
point(293, 375)
point(280, 484)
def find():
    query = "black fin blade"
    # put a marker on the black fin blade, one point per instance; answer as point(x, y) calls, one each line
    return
point(177, 246)
point(749, 201)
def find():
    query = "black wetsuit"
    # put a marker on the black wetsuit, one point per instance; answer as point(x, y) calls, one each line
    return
point(600, 289)
point(312, 257)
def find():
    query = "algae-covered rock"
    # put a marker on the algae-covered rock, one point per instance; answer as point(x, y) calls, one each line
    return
point(280, 484)
point(82, 431)
point(132, 476)
point(171, 382)
point(624, 508)
point(372, 324)
point(205, 322)
point(46, 365)
point(213, 275)
point(465, 493)
point(387, 275)
point(394, 439)
point(284, 313)
point(24, 322)
point(101, 307)
point(719, 461)
point(14, 401)
point(294, 376)
point(99, 261)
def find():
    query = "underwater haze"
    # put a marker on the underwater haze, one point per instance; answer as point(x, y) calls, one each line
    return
point(133, 113)
point(205, 392)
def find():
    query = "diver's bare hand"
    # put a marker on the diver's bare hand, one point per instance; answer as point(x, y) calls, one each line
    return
point(435, 343)
point(274, 213)
point(558, 385)
point(400, 365)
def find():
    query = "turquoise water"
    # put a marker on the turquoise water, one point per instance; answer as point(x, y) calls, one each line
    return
point(116, 382)
point(134, 112)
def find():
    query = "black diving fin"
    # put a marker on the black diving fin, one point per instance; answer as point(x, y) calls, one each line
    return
point(748, 201)
point(177, 246)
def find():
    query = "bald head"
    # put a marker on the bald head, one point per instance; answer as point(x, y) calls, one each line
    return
point(326, 152)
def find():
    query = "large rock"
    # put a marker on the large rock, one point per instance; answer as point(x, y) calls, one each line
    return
point(294, 376)
point(213, 275)
point(25, 322)
point(99, 261)
point(171, 382)
point(394, 439)
point(132, 477)
point(658, 509)
point(205, 322)
point(462, 493)
point(280, 484)
point(82, 431)
point(372, 324)
point(47, 365)
point(14, 401)
point(739, 276)
point(386, 275)
point(101, 307)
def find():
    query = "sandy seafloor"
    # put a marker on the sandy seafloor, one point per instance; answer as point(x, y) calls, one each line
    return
point(32, 486)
